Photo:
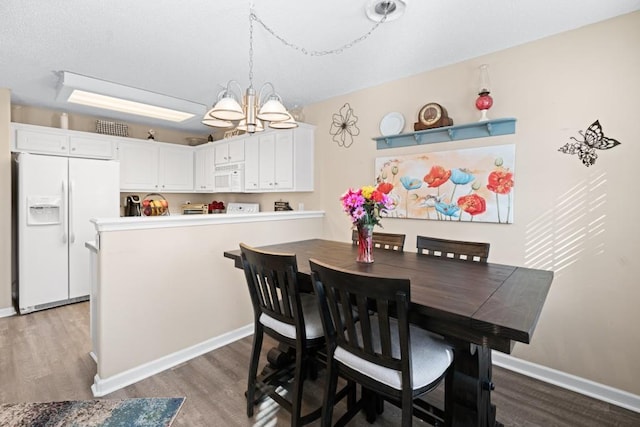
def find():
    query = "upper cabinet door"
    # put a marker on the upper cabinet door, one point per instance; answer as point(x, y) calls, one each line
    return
point(251, 164)
point(236, 150)
point(36, 141)
point(138, 165)
point(283, 156)
point(176, 168)
point(204, 163)
point(229, 151)
point(99, 148)
point(267, 161)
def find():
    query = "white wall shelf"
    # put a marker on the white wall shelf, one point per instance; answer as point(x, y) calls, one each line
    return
point(484, 129)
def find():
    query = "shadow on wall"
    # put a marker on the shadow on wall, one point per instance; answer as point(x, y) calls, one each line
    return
point(572, 229)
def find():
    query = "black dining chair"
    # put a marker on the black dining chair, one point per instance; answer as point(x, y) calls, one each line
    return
point(291, 318)
point(380, 350)
point(456, 249)
point(388, 241)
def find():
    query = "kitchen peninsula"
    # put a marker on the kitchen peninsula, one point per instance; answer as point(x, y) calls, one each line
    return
point(164, 293)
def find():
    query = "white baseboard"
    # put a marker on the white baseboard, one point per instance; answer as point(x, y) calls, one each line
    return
point(104, 386)
point(570, 382)
point(7, 312)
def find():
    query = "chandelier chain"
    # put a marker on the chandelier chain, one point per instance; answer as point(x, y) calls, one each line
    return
point(254, 17)
point(251, 49)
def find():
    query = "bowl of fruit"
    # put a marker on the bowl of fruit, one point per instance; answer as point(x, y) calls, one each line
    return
point(216, 207)
point(154, 204)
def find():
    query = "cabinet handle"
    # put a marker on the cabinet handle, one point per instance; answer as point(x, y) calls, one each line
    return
point(73, 149)
point(63, 148)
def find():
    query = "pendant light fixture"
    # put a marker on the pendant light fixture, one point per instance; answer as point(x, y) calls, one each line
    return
point(265, 105)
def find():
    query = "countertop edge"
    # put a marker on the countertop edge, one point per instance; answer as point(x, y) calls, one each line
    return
point(143, 223)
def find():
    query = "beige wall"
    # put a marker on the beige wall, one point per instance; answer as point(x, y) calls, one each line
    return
point(166, 289)
point(5, 200)
point(51, 118)
point(580, 222)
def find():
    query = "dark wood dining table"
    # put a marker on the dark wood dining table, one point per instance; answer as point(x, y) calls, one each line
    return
point(477, 307)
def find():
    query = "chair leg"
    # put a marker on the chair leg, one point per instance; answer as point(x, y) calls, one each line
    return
point(313, 367)
point(379, 404)
point(329, 393)
point(351, 395)
point(407, 408)
point(253, 368)
point(298, 381)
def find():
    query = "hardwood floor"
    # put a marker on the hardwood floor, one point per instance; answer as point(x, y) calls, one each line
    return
point(44, 356)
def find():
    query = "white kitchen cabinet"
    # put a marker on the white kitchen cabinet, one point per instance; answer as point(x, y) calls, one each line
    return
point(155, 166)
point(175, 171)
point(280, 161)
point(138, 165)
point(204, 166)
point(252, 163)
point(61, 142)
point(89, 146)
point(229, 151)
point(276, 161)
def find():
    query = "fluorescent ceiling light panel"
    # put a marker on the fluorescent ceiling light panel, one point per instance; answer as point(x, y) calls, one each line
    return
point(96, 93)
point(124, 106)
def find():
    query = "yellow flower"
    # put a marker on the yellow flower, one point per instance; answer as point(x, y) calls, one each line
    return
point(367, 191)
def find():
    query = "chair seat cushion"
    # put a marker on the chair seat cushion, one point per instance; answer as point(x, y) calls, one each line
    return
point(430, 358)
point(312, 320)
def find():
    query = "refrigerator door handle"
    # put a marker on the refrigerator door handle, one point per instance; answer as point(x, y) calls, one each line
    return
point(72, 234)
point(64, 209)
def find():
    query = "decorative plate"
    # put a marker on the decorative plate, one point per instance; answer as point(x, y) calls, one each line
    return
point(392, 124)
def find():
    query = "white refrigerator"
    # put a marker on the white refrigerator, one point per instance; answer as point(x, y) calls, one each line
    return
point(56, 198)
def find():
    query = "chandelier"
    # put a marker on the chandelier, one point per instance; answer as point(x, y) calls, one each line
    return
point(266, 105)
point(257, 107)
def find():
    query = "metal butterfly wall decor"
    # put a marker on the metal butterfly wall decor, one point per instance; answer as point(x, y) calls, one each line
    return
point(592, 138)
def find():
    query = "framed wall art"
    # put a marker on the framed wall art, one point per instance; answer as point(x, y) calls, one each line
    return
point(470, 185)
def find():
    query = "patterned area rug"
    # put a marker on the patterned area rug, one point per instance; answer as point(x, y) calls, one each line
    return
point(148, 412)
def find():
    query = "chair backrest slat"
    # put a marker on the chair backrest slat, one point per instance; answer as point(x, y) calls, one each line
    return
point(273, 287)
point(375, 299)
point(387, 241)
point(456, 249)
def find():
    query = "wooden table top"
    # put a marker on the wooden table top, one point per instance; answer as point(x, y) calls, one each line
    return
point(486, 304)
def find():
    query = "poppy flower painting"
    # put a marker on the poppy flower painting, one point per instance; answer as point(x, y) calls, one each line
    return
point(468, 185)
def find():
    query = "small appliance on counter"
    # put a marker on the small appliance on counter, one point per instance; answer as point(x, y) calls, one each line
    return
point(195, 209)
point(132, 206)
point(237, 208)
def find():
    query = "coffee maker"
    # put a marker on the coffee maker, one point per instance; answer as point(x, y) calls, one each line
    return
point(132, 207)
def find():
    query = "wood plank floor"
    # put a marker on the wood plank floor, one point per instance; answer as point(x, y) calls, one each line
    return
point(44, 356)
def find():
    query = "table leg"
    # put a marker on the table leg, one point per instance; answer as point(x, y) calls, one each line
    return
point(468, 387)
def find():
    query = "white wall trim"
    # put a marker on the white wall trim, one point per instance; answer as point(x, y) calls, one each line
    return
point(161, 221)
point(570, 382)
point(7, 312)
point(104, 386)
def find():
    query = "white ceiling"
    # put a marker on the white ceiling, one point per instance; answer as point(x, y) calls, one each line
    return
point(187, 49)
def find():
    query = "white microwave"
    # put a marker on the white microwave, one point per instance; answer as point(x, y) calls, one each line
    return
point(229, 178)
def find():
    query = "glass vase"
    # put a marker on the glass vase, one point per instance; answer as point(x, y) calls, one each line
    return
point(365, 243)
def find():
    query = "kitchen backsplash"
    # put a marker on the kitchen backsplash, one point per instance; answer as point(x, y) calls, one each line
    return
point(266, 201)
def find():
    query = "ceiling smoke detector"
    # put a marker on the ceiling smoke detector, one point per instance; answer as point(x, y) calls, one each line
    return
point(376, 9)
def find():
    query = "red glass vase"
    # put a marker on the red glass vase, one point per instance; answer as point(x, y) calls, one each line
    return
point(365, 243)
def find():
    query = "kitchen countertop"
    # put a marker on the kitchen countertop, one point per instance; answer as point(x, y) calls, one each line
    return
point(148, 222)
